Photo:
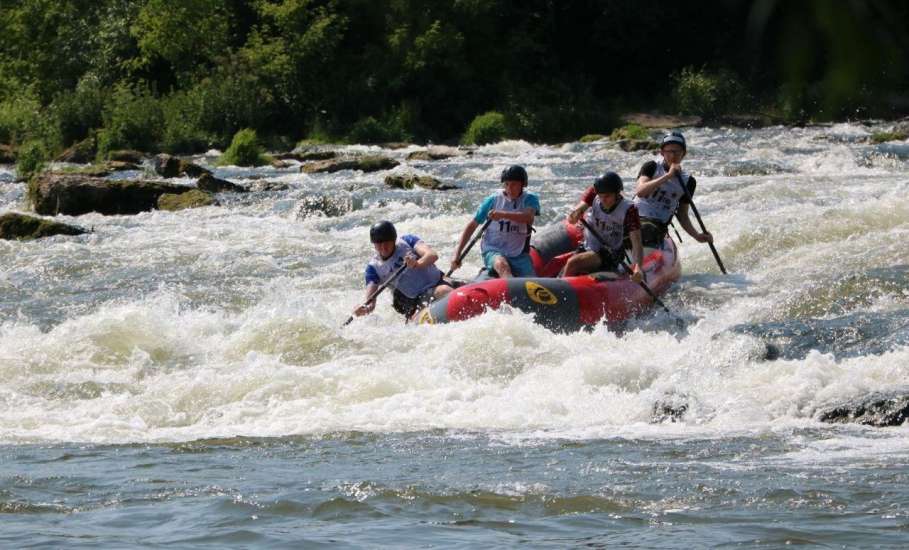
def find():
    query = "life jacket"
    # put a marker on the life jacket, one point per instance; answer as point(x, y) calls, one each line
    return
point(610, 225)
point(662, 203)
point(412, 282)
point(505, 236)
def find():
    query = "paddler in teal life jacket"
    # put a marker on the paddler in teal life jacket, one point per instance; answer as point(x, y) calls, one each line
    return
point(660, 194)
point(506, 243)
point(615, 219)
point(417, 285)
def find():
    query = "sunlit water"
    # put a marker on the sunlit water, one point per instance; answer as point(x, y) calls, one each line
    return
point(183, 378)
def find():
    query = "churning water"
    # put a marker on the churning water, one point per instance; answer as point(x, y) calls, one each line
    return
point(183, 378)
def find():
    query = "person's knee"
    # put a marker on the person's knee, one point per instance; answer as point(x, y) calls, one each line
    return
point(501, 266)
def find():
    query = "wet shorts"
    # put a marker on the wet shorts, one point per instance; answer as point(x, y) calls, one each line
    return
point(521, 266)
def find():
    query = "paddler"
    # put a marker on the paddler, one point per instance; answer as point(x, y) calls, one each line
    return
point(615, 220)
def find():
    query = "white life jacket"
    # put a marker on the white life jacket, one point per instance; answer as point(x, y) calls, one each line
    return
point(662, 203)
point(412, 282)
point(610, 225)
point(505, 236)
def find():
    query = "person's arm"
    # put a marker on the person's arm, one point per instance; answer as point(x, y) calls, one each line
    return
point(575, 215)
point(637, 255)
point(465, 236)
point(426, 256)
point(682, 215)
point(586, 202)
point(368, 305)
point(524, 216)
point(647, 184)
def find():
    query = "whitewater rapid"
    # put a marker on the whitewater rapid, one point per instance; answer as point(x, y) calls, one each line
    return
point(226, 321)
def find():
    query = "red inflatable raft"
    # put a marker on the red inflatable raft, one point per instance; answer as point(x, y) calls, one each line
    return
point(561, 304)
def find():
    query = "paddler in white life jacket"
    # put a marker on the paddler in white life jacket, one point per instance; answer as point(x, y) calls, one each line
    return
point(660, 194)
point(615, 219)
point(506, 243)
point(417, 285)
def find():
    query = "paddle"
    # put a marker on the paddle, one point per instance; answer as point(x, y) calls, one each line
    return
point(621, 261)
point(379, 290)
point(697, 215)
point(470, 245)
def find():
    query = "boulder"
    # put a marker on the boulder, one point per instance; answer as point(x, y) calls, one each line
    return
point(630, 145)
point(670, 408)
point(7, 154)
point(215, 185)
point(279, 164)
point(436, 152)
point(306, 156)
point(657, 120)
point(126, 155)
point(167, 166)
point(74, 194)
point(879, 409)
point(395, 145)
point(14, 226)
point(80, 153)
point(192, 169)
point(193, 198)
point(366, 164)
point(408, 181)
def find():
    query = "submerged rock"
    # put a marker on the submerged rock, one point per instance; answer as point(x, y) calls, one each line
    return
point(74, 194)
point(15, 226)
point(670, 408)
point(193, 198)
point(408, 181)
point(370, 163)
point(216, 185)
point(879, 409)
point(330, 206)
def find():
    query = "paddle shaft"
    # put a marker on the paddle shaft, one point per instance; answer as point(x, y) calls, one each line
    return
point(697, 215)
point(622, 262)
point(470, 245)
point(379, 290)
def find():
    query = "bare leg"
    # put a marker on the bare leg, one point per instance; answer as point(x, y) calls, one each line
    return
point(500, 264)
point(583, 262)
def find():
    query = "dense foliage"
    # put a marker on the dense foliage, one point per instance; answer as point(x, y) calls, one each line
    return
point(185, 75)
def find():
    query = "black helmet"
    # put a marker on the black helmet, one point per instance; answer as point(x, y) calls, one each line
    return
point(514, 172)
point(674, 137)
point(610, 182)
point(382, 232)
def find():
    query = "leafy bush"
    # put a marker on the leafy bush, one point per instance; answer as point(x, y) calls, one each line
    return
point(31, 159)
point(244, 150)
point(76, 113)
point(630, 131)
point(182, 133)
point(370, 130)
point(20, 119)
point(490, 127)
point(701, 92)
point(133, 119)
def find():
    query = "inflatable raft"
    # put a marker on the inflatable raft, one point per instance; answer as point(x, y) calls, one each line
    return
point(561, 304)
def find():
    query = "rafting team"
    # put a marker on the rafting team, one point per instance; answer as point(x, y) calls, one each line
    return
point(612, 225)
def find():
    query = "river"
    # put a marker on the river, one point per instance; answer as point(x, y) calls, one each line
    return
point(183, 379)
